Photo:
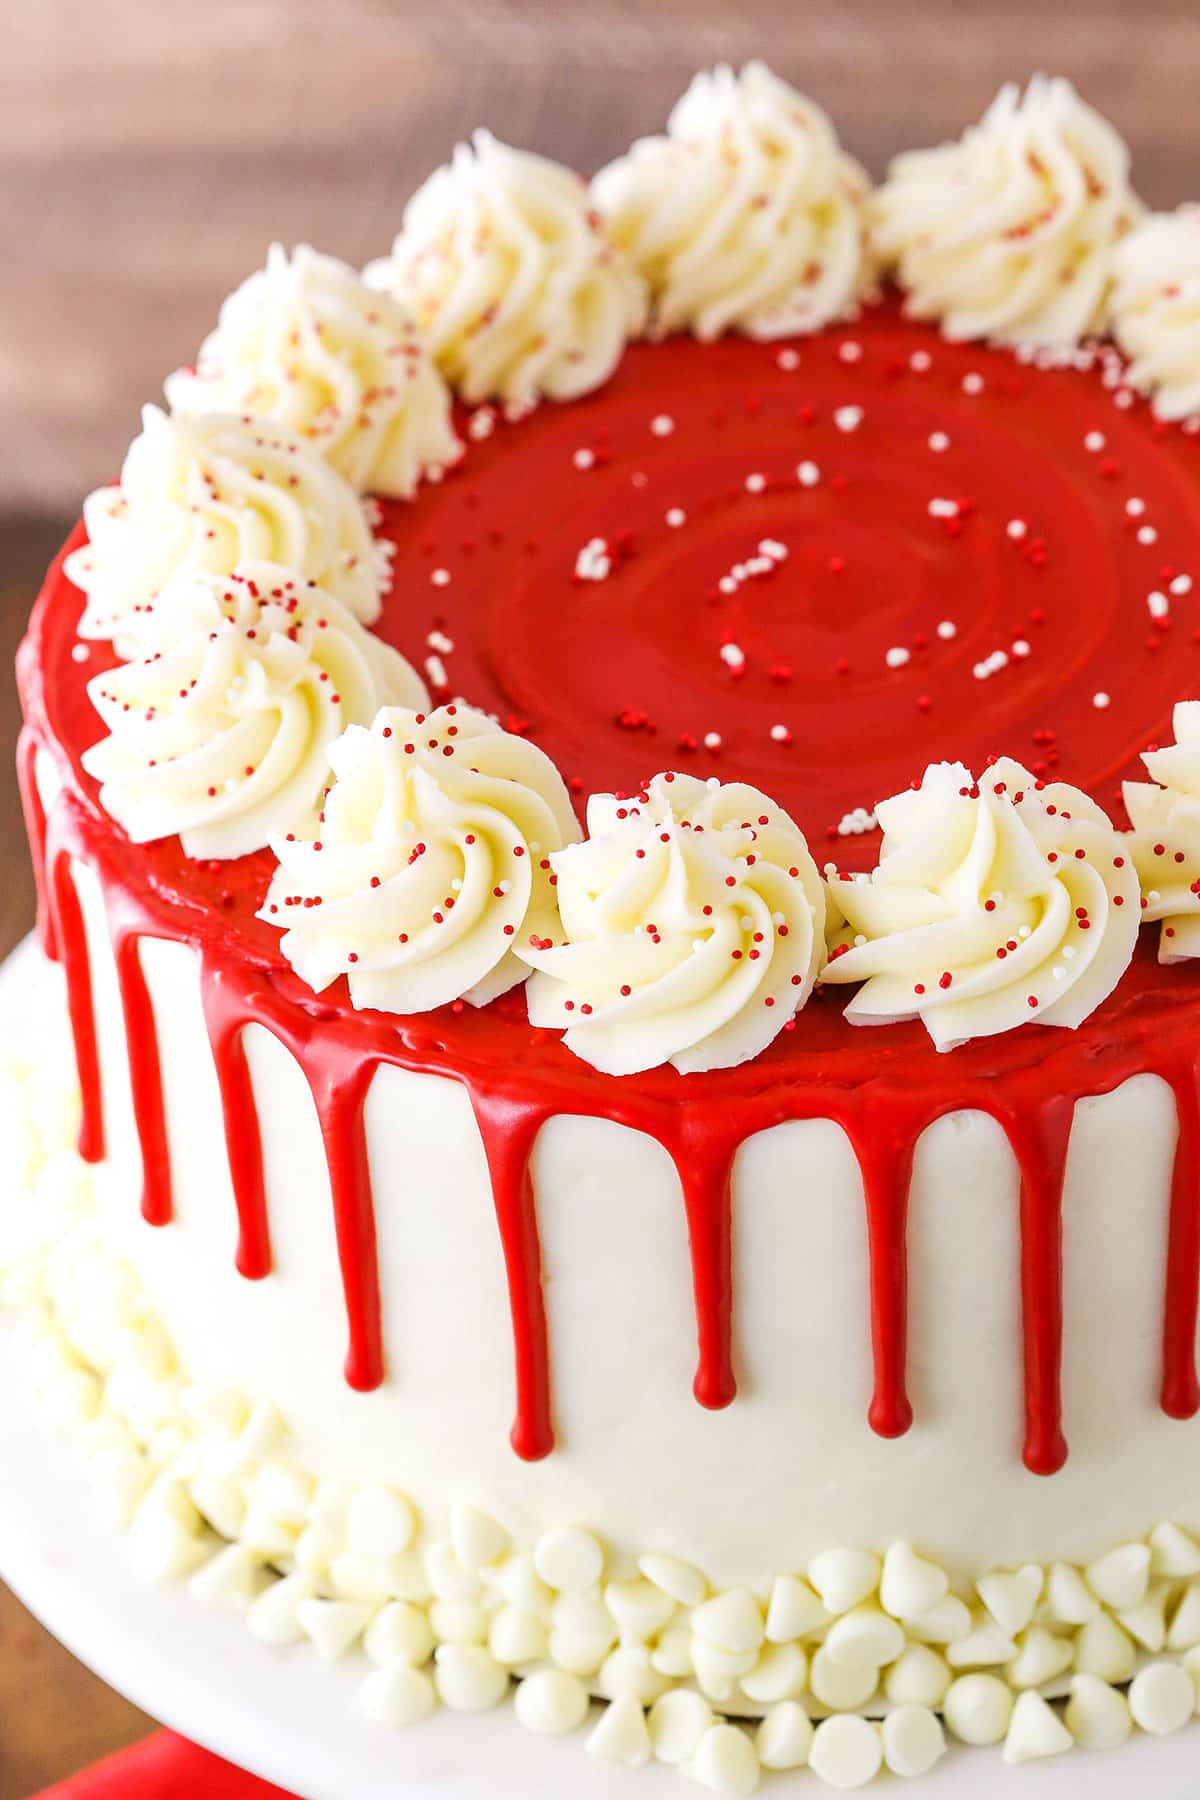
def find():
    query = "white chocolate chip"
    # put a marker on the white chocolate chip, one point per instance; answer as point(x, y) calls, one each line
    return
point(794, 1610)
point(1147, 1622)
point(1034, 1731)
point(677, 1721)
point(399, 1632)
point(785, 1737)
point(1173, 1552)
point(551, 1703)
point(620, 1734)
point(233, 1579)
point(779, 1674)
point(1103, 1649)
point(719, 1671)
point(568, 1559)
point(978, 1708)
point(333, 1625)
point(1162, 1698)
point(981, 1648)
point(839, 1686)
point(379, 1522)
point(846, 1751)
point(1069, 1600)
point(397, 1695)
point(468, 1678)
point(478, 1539)
point(1185, 1621)
point(910, 1584)
point(640, 1609)
point(844, 1578)
point(1097, 1715)
point(675, 1577)
point(725, 1761)
point(1040, 1659)
point(274, 1617)
point(913, 1740)
point(731, 1620)
point(628, 1670)
point(865, 1638)
point(516, 1638)
point(1121, 1576)
point(1011, 1597)
point(942, 1624)
point(918, 1677)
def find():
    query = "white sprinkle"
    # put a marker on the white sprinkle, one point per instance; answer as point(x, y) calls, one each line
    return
point(712, 741)
point(848, 418)
point(808, 474)
point(733, 657)
point(972, 383)
point(504, 886)
point(920, 361)
point(1135, 507)
point(938, 440)
point(1123, 398)
point(1182, 584)
point(593, 562)
point(1024, 931)
point(850, 352)
point(639, 478)
point(435, 668)
point(1021, 647)
point(947, 629)
point(1157, 605)
point(481, 424)
point(440, 578)
point(1068, 952)
point(780, 734)
point(1100, 701)
point(897, 656)
point(676, 517)
point(788, 359)
point(1147, 535)
point(773, 550)
point(80, 653)
point(662, 425)
point(584, 459)
point(1094, 441)
point(755, 483)
point(437, 640)
point(943, 509)
point(728, 584)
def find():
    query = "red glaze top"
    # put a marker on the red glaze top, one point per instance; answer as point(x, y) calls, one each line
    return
point(824, 565)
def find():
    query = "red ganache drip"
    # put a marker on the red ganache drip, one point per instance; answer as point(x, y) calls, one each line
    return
point(1058, 516)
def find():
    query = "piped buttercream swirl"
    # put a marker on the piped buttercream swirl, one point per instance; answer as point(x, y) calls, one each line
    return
point(692, 919)
point(1165, 840)
point(432, 864)
point(206, 492)
point(746, 215)
point(222, 733)
point(995, 902)
point(306, 342)
point(1008, 234)
point(511, 277)
point(1156, 310)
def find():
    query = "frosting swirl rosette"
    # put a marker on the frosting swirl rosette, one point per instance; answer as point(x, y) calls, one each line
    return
point(1008, 234)
point(511, 277)
point(746, 215)
point(206, 492)
point(222, 734)
point(995, 902)
point(1156, 309)
point(432, 864)
point(306, 342)
point(693, 919)
point(1165, 840)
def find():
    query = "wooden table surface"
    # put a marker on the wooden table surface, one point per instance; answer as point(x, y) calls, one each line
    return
point(149, 152)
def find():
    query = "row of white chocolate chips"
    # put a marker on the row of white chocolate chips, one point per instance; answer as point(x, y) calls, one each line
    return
point(207, 1487)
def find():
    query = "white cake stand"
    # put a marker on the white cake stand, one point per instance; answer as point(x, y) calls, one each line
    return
point(290, 1718)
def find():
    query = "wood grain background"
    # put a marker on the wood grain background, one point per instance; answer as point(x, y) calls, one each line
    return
point(150, 150)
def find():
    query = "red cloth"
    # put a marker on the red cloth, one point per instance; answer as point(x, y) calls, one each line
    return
point(164, 1767)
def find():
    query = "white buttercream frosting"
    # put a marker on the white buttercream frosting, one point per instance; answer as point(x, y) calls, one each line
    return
point(693, 919)
point(432, 865)
point(1008, 234)
point(746, 215)
point(1165, 841)
point(995, 902)
point(222, 733)
point(207, 491)
point(1156, 309)
point(511, 278)
point(306, 342)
